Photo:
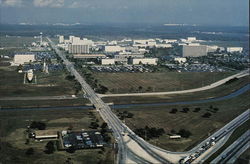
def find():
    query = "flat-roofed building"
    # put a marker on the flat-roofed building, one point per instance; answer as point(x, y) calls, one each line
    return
point(113, 49)
point(234, 49)
point(194, 50)
point(78, 49)
point(108, 61)
point(61, 39)
point(46, 134)
point(22, 58)
point(89, 56)
point(149, 61)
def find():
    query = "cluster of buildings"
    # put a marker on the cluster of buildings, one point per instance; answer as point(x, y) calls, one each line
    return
point(128, 51)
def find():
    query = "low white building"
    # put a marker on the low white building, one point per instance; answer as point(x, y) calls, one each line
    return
point(234, 49)
point(149, 61)
point(108, 61)
point(163, 45)
point(180, 60)
point(113, 49)
point(24, 58)
point(191, 39)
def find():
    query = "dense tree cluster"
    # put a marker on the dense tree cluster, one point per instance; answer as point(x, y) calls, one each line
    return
point(184, 133)
point(38, 125)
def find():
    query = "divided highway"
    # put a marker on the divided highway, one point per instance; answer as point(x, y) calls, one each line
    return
point(132, 148)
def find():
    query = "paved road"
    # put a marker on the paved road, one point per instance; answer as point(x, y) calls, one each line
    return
point(138, 150)
point(113, 121)
point(230, 154)
point(213, 85)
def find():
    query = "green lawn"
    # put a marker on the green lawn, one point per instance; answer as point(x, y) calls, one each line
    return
point(15, 41)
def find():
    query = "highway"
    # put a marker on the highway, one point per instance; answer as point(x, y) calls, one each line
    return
point(230, 154)
point(132, 148)
point(62, 97)
point(112, 120)
point(213, 85)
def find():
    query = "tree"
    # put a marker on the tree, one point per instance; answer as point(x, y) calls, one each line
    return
point(104, 125)
point(38, 125)
point(174, 110)
point(49, 148)
point(184, 133)
point(140, 88)
point(197, 109)
point(71, 149)
point(185, 110)
point(29, 151)
point(206, 115)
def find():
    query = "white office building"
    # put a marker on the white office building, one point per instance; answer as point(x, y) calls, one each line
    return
point(78, 49)
point(24, 58)
point(113, 49)
point(234, 49)
point(108, 61)
point(61, 39)
point(149, 61)
point(194, 51)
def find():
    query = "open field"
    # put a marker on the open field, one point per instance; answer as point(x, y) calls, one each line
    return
point(11, 84)
point(17, 41)
point(200, 127)
point(12, 137)
point(220, 91)
point(157, 82)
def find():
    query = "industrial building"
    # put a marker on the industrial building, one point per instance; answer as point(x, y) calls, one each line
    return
point(234, 49)
point(194, 51)
point(108, 61)
point(23, 58)
point(149, 61)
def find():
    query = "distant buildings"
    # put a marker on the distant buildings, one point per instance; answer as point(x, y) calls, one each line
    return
point(234, 49)
point(149, 61)
point(113, 49)
point(78, 49)
point(24, 58)
point(75, 45)
point(194, 51)
point(88, 56)
point(108, 61)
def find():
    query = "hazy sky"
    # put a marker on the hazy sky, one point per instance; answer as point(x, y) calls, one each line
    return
point(204, 12)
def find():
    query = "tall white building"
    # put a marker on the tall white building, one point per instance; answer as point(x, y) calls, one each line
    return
point(78, 49)
point(194, 51)
point(61, 39)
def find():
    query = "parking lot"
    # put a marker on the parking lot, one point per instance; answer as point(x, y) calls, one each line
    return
point(121, 68)
point(82, 139)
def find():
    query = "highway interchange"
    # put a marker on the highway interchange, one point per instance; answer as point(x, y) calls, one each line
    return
point(132, 148)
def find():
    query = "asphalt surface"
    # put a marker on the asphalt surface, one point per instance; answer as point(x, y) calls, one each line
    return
point(230, 154)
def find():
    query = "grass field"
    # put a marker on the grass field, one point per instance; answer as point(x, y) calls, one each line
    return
point(11, 84)
point(12, 137)
point(163, 81)
point(215, 92)
point(200, 127)
point(16, 41)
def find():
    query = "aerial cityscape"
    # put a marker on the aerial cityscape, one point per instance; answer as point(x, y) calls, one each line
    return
point(124, 82)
